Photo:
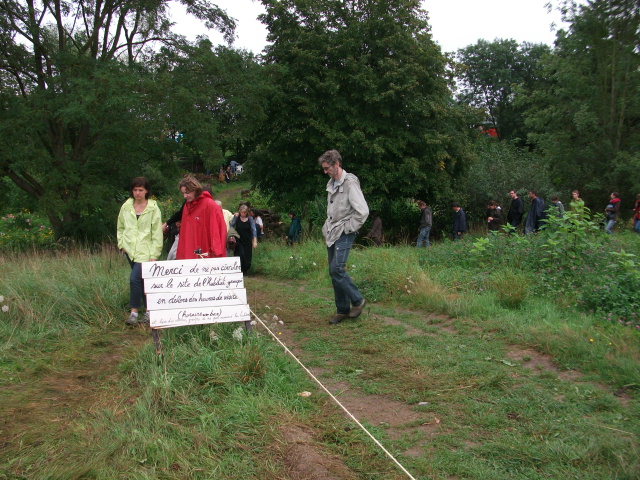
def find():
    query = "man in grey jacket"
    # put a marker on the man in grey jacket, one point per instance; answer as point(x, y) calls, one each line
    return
point(347, 211)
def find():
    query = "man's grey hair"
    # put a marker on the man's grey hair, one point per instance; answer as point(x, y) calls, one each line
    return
point(331, 157)
point(219, 203)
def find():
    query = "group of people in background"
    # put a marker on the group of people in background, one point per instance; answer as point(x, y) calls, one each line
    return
point(201, 228)
point(534, 220)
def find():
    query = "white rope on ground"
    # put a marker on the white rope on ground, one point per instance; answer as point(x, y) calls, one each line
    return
point(286, 349)
point(337, 402)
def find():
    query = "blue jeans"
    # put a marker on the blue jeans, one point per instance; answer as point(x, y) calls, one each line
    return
point(344, 291)
point(609, 226)
point(636, 226)
point(424, 237)
point(137, 298)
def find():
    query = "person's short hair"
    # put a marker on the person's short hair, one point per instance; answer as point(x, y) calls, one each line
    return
point(140, 182)
point(207, 188)
point(576, 191)
point(331, 157)
point(535, 192)
point(555, 198)
point(513, 190)
point(219, 203)
point(292, 213)
point(422, 203)
point(615, 194)
point(455, 204)
point(493, 203)
point(190, 184)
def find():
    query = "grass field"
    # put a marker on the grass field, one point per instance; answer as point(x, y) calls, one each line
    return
point(462, 368)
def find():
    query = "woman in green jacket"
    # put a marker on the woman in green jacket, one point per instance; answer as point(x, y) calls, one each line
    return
point(140, 239)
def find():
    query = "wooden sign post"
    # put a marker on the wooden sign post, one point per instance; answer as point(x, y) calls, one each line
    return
point(194, 292)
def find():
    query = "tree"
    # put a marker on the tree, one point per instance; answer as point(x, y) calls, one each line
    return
point(489, 74)
point(216, 101)
point(586, 117)
point(365, 78)
point(78, 107)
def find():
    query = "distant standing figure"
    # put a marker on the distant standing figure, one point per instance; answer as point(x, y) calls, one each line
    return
point(246, 228)
point(347, 210)
point(459, 221)
point(295, 229)
point(494, 216)
point(636, 216)
point(259, 225)
point(424, 227)
point(139, 234)
point(611, 212)
point(577, 204)
point(221, 176)
point(375, 234)
point(536, 215)
point(516, 209)
point(557, 204)
point(228, 216)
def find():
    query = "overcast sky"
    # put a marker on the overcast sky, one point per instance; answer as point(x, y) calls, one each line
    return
point(455, 23)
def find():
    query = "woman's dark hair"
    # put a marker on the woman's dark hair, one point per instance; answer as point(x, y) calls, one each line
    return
point(140, 182)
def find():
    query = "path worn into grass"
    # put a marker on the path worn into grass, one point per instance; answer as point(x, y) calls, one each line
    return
point(46, 406)
point(299, 326)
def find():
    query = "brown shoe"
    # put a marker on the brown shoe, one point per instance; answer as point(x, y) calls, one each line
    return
point(356, 311)
point(337, 318)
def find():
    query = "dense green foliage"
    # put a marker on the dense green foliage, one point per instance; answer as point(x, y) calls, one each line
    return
point(83, 109)
point(584, 116)
point(76, 85)
point(490, 73)
point(366, 79)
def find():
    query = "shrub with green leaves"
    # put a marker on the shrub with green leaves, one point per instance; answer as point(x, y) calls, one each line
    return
point(23, 230)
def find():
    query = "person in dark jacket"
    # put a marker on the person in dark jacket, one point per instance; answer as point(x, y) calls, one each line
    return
point(494, 216)
point(295, 229)
point(516, 209)
point(536, 215)
point(426, 220)
point(375, 234)
point(611, 212)
point(459, 221)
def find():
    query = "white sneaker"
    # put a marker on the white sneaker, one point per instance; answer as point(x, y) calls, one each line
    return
point(132, 320)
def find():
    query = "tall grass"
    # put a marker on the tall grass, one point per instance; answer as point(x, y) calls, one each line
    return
point(212, 406)
point(446, 279)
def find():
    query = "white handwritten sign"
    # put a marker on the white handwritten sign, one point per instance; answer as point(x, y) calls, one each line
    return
point(203, 298)
point(198, 316)
point(192, 292)
point(191, 283)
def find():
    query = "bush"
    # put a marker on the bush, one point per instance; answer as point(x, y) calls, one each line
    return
point(23, 231)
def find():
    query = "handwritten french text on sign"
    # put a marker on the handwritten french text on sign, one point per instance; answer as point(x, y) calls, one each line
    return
point(193, 292)
point(203, 298)
point(176, 268)
point(193, 283)
point(198, 316)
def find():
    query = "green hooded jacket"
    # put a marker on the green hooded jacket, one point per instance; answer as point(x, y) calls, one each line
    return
point(140, 237)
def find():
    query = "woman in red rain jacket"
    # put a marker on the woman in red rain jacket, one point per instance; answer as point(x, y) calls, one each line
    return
point(203, 231)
